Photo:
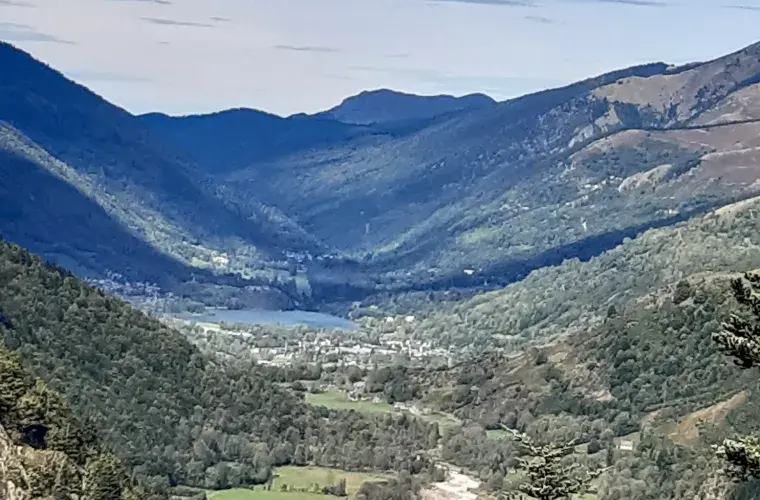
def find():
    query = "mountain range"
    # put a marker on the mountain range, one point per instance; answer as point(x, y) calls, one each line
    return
point(390, 191)
point(503, 188)
point(608, 216)
point(132, 183)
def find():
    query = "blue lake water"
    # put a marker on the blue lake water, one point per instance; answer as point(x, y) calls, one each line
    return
point(263, 317)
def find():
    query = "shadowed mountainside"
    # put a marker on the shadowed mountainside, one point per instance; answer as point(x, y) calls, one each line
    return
point(486, 187)
point(153, 189)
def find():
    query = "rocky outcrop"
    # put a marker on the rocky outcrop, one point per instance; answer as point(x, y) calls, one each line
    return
point(26, 473)
point(46, 452)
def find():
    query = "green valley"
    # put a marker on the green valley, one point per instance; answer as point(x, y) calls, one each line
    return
point(548, 297)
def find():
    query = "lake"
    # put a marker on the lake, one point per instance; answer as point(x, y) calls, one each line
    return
point(263, 317)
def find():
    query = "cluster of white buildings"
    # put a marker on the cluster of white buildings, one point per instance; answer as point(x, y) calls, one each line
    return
point(346, 352)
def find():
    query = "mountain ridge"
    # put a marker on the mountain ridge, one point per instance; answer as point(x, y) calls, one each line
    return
point(247, 136)
point(413, 204)
point(152, 189)
point(454, 194)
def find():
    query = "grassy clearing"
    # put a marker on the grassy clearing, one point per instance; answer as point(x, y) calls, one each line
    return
point(246, 494)
point(443, 420)
point(497, 434)
point(306, 477)
point(301, 478)
point(339, 401)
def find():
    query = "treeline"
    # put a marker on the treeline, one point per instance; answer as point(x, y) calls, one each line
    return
point(172, 414)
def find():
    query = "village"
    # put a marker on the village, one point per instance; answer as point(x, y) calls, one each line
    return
point(278, 345)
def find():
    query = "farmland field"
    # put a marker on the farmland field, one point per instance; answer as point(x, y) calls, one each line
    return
point(311, 478)
point(339, 401)
point(246, 494)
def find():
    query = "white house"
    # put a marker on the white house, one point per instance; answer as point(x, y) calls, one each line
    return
point(626, 445)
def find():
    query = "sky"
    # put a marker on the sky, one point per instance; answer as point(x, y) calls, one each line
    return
point(290, 56)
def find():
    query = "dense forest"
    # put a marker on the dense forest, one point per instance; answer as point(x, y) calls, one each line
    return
point(650, 374)
point(178, 416)
point(170, 413)
point(574, 296)
point(623, 351)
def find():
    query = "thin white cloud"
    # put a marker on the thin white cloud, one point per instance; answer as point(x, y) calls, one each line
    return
point(15, 3)
point(638, 3)
point(754, 8)
point(306, 48)
point(498, 3)
point(176, 22)
point(540, 19)
point(16, 32)
point(159, 2)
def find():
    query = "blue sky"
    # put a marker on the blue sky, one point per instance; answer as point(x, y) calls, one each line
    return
point(287, 56)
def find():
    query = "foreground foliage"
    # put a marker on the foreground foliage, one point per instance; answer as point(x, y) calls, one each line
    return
point(740, 339)
point(548, 478)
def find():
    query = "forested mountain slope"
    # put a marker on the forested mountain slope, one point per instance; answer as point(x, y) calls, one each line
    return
point(623, 351)
point(567, 299)
point(171, 414)
point(526, 183)
point(234, 139)
point(237, 138)
point(144, 184)
point(42, 211)
point(650, 375)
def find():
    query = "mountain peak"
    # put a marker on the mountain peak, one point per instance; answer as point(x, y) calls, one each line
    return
point(386, 105)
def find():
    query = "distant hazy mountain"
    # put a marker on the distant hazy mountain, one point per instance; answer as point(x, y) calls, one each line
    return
point(385, 106)
point(236, 138)
point(149, 188)
point(497, 189)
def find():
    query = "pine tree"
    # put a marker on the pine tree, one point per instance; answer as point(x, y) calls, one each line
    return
point(547, 477)
point(739, 338)
point(103, 479)
point(14, 382)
